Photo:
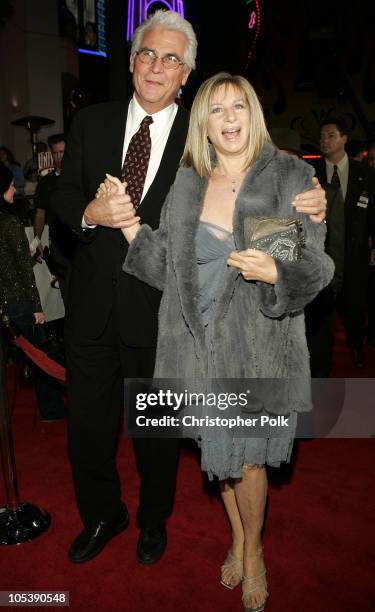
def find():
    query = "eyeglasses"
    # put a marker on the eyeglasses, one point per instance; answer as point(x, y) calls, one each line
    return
point(170, 61)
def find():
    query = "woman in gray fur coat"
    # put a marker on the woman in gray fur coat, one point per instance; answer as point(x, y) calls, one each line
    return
point(230, 312)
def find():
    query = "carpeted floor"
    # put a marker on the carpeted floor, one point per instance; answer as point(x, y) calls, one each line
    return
point(319, 537)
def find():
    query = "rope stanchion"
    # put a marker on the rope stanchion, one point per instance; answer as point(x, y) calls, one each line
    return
point(19, 521)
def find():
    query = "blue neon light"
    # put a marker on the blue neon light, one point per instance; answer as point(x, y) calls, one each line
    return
point(88, 52)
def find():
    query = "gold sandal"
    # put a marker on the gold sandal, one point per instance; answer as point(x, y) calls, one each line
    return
point(252, 584)
point(234, 564)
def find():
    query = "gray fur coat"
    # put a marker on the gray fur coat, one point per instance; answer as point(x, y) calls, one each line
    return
point(259, 329)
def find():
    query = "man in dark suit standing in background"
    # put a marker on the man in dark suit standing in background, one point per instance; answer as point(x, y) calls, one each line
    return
point(101, 349)
point(62, 241)
point(349, 226)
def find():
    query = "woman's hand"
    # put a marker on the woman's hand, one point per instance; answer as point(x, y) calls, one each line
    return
point(254, 265)
point(110, 186)
point(39, 317)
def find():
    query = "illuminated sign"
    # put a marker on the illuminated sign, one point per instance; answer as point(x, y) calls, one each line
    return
point(253, 20)
point(254, 26)
point(89, 17)
point(139, 10)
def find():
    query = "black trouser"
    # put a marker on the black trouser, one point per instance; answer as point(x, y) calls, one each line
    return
point(320, 332)
point(352, 304)
point(96, 369)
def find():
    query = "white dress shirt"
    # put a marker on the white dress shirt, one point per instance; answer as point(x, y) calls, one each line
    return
point(342, 171)
point(159, 133)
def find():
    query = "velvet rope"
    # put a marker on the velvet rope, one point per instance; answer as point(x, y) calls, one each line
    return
point(42, 360)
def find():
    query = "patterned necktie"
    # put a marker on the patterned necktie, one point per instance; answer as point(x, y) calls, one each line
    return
point(335, 180)
point(136, 161)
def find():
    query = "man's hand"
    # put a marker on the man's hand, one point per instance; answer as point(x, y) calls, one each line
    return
point(111, 209)
point(254, 265)
point(312, 202)
point(39, 317)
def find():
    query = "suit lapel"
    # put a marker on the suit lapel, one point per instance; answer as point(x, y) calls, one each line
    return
point(115, 136)
point(321, 171)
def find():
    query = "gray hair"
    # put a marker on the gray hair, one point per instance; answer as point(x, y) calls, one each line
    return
point(171, 21)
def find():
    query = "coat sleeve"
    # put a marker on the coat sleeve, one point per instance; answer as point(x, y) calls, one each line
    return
point(68, 200)
point(300, 281)
point(18, 244)
point(147, 254)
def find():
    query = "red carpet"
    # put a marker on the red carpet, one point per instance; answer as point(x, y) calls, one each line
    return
point(319, 538)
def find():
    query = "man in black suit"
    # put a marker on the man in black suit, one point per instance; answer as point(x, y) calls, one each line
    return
point(101, 349)
point(349, 227)
point(62, 241)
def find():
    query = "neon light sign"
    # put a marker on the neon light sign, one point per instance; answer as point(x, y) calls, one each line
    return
point(139, 11)
point(254, 25)
point(100, 45)
point(253, 19)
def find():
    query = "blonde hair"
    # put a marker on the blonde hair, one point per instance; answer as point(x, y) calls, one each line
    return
point(197, 149)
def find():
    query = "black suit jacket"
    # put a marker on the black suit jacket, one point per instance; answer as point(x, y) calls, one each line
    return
point(98, 287)
point(359, 222)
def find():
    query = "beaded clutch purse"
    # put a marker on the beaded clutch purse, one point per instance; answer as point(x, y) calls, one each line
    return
point(281, 238)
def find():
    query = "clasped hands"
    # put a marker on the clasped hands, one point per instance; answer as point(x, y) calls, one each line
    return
point(112, 206)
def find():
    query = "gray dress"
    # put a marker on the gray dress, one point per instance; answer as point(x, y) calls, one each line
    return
point(224, 455)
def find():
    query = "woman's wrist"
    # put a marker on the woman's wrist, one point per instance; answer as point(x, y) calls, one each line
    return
point(131, 232)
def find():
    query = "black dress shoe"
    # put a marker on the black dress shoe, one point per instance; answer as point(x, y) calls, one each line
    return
point(359, 358)
point(91, 541)
point(152, 542)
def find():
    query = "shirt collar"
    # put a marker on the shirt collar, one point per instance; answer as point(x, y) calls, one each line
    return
point(160, 119)
point(342, 164)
